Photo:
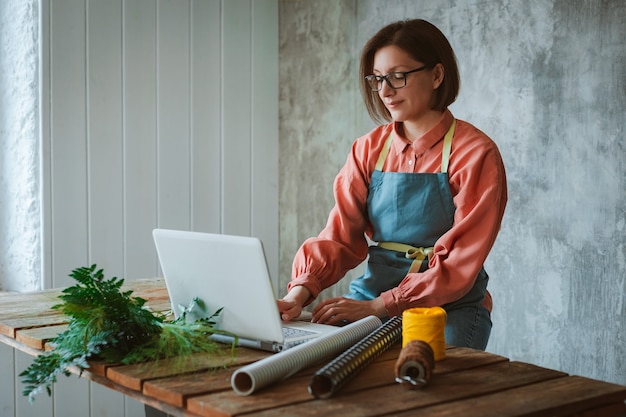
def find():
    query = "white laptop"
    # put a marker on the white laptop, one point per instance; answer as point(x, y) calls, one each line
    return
point(229, 273)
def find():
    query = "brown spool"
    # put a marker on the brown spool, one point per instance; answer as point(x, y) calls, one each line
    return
point(415, 364)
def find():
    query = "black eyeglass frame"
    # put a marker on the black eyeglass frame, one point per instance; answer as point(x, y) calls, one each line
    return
point(379, 78)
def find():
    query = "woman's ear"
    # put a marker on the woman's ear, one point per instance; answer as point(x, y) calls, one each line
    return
point(438, 75)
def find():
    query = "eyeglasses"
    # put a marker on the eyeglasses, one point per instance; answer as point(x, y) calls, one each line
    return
point(394, 80)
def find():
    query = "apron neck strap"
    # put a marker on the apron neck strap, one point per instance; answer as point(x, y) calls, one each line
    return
point(447, 145)
point(384, 152)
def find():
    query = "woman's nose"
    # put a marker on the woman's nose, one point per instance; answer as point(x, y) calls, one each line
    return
point(385, 89)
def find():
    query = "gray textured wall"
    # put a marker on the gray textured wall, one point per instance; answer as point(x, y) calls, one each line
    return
point(20, 238)
point(546, 80)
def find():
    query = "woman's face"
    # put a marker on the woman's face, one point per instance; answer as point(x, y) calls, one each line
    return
point(409, 103)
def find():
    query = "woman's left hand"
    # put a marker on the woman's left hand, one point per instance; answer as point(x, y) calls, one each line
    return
point(340, 309)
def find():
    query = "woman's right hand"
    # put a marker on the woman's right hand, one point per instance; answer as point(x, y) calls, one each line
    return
point(290, 306)
point(289, 310)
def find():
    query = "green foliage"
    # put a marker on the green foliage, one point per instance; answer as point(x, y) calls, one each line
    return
point(111, 325)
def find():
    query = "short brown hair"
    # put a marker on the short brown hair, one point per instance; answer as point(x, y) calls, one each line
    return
point(424, 42)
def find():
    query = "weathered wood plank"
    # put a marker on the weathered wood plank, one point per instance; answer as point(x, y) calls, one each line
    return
point(37, 337)
point(466, 358)
point(10, 326)
point(28, 305)
point(10, 298)
point(611, 410)
point(381, 372)
point(554, 398)
point(99, 368)
point(176, 389)
point(134, 376)
point(292, 393)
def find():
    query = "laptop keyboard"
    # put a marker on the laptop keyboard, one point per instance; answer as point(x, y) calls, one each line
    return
point(293, 332)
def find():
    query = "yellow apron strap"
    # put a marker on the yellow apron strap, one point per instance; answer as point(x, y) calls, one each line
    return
point(410, 252)
point(384, 152)
point(447, 145)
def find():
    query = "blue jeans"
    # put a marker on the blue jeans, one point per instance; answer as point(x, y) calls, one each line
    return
point(468, 327)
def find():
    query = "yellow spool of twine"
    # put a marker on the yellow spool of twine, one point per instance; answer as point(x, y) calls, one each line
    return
point(425, 324)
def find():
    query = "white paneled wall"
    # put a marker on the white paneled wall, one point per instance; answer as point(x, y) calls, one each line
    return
point(154, 113)
point(162, 113)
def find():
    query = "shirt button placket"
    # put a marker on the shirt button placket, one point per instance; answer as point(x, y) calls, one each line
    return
point(411, 163)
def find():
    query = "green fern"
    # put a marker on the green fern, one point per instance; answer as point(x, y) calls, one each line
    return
point(111, 325)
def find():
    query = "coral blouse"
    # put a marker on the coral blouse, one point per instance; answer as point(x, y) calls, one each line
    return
point(478, 184)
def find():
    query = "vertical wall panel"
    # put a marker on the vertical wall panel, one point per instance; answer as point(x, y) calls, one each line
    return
point(173, 99)
point(133, 409)
point(140, 146)
point(68, 149)
point(105, 402)
point(43, 405)
point(71, 388)
point(104, 134)
point(236, 87)
point(7, 381)
point(206, 115)
point(105, 167)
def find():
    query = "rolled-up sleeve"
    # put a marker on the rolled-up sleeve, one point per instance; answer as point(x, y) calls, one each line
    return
point(341, 246)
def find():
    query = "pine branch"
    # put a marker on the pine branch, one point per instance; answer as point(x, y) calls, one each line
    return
point(111, 325)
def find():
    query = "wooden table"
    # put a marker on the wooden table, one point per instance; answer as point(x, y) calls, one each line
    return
point(467, 383)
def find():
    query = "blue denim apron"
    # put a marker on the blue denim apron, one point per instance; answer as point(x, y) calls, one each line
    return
point(408, 213)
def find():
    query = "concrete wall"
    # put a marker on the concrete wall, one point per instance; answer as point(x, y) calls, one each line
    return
point(546, 80)
point(20, 237)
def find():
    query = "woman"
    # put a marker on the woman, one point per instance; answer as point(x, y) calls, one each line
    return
point(422, 195)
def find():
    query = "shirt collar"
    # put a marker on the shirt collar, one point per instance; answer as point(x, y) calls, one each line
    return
point(427, 140)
